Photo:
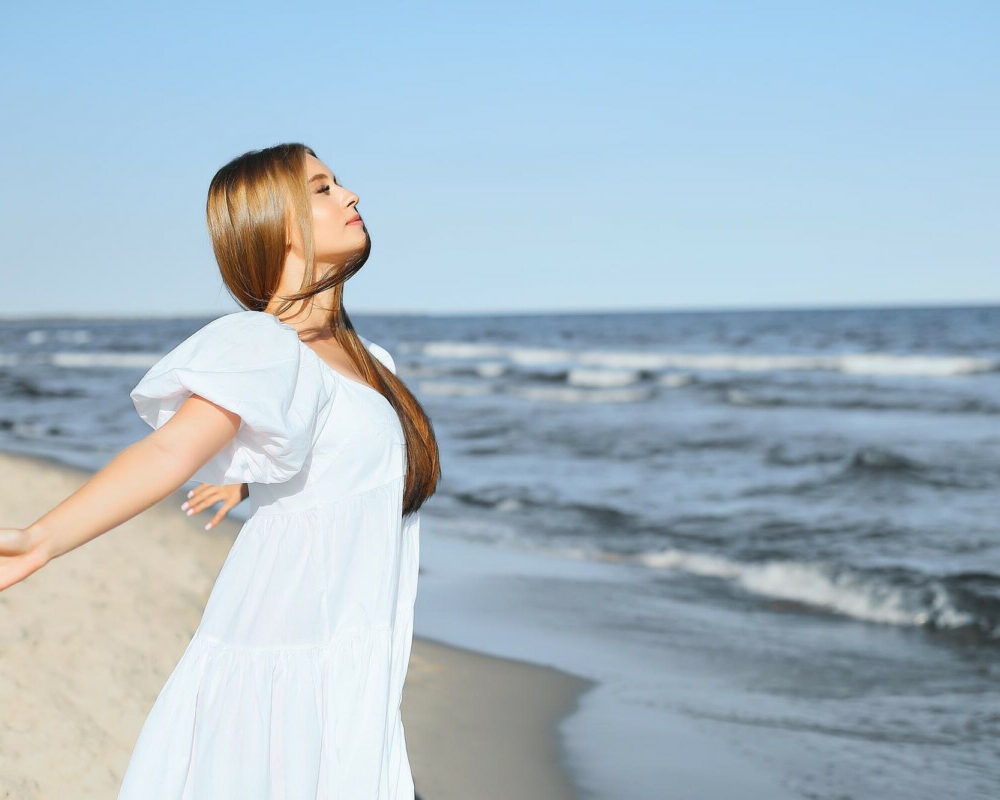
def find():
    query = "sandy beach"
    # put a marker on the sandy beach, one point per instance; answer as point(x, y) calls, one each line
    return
point(87, 643)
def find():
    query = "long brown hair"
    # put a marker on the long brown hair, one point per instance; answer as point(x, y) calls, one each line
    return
point(247, 212)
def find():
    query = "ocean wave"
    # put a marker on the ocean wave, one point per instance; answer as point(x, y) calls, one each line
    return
point(574, 394)
point(18, 387)
point(890, 596)
point(872, 458)
point(784, 454)
point(676, 379)
point(873, 462)
point(455, 389)
point(85, 360)
point(947, 405)
point(870, 363)
point(522, 498)
point(603, 378)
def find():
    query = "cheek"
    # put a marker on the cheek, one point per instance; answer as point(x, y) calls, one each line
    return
point(327, 226)
point(321, 213)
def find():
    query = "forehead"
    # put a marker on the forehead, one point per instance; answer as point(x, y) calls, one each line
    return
point(316, 170)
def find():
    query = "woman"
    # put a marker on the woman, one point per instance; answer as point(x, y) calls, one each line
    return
point(292, 683)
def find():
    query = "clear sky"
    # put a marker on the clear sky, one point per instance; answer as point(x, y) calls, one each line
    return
point(514, 156)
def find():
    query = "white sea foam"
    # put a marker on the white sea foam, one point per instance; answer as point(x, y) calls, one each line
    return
point(572, 394)
point(454, 389)
point(491, 369)
point(463, 350)
point(885, 364)
point(739, 398)
point(675, 379)
point(602, 377)
point(846, 592)
point(849, 363)
point(106, 359)
point(40, 336)
point(538, 355)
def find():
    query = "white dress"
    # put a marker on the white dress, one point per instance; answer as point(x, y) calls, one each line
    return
point(290, 687)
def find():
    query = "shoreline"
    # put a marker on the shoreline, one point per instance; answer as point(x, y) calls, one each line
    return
point(87, 642)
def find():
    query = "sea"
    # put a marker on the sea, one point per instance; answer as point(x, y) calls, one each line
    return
point(771, 538)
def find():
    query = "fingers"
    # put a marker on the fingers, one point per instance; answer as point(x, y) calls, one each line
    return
point(207, 495)
point(203, 497)
point(199, 495)
point(219, 515)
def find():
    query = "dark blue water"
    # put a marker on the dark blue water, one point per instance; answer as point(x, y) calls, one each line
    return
point(802, 505)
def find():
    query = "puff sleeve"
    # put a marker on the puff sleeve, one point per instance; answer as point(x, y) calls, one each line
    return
point(254, 365)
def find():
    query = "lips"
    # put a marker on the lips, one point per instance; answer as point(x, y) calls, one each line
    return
point(355, 218)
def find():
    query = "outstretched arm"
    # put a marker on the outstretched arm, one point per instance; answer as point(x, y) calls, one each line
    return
point(138, 477)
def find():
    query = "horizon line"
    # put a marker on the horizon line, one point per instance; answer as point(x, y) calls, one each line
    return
point(875, 306)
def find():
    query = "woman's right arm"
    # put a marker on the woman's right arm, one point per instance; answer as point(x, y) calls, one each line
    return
point(138, 477)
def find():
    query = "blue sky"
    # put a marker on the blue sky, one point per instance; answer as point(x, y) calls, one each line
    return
point(517, 156)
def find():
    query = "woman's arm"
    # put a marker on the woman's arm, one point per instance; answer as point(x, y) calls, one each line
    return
point(138, 477)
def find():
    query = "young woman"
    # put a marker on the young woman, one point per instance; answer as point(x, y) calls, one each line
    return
point(292, 683)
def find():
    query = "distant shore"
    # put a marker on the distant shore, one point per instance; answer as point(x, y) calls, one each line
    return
point(87, 643)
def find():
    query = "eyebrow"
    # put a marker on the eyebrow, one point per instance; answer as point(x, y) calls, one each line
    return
point(323, 176)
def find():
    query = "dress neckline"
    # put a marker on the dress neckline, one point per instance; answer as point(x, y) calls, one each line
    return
point(322, 360)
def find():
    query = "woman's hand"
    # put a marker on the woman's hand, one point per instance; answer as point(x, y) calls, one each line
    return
point(208, 494)
point(22, 551)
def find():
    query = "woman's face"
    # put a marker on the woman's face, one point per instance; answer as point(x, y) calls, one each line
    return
point(338, 230)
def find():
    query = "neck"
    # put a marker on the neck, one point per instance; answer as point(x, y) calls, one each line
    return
point(310, 317)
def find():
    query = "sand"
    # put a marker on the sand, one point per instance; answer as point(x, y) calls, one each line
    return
point(87, 642)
